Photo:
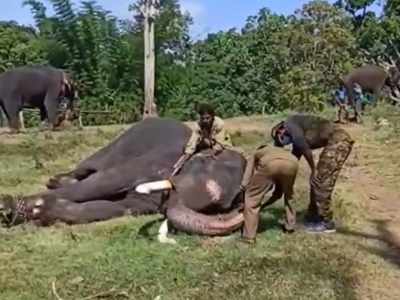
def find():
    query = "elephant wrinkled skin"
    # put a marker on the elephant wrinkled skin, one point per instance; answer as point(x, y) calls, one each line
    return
point(203, 198)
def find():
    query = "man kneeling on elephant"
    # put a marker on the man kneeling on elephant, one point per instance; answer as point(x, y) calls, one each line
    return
point(208, 133)
point(267, 167)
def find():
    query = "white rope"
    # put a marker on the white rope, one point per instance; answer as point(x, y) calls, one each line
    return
point(163, 234)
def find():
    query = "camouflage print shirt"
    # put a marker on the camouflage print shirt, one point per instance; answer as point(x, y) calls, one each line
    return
point(220, 139)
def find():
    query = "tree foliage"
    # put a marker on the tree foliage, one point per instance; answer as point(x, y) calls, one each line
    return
point(273, 63)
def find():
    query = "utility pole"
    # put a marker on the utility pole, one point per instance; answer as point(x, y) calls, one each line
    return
point(150, 10)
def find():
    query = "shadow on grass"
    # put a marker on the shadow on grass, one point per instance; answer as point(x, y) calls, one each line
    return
point(147, 231)
point(389, 251)
point(270, 219)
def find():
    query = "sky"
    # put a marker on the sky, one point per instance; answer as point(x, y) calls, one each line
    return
point(209, 15)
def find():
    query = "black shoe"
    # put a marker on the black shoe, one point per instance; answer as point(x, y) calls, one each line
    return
point(320, 227)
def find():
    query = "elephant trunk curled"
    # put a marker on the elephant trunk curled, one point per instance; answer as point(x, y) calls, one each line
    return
point(187, 220)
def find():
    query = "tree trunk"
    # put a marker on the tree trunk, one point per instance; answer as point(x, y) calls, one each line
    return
point(149, 60)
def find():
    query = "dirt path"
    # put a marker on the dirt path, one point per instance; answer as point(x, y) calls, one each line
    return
point(382, 200)
point(380, 234)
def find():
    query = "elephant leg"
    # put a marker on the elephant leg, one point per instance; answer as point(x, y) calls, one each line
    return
point(109, 183)
point(3, 115)
point(12, 107)
point(65, 179)
point(71, 213)
point(376, 93)
point(142, 204)
point(43, 117)
point(51, 104)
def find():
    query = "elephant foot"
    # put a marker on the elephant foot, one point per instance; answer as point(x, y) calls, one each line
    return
point(6, 209)
point(12, 131)
point(44, 126)
point(340, 122)
point(15, 211)
point(60, 181)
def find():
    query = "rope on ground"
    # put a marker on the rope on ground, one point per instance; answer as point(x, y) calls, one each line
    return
point(55, 291)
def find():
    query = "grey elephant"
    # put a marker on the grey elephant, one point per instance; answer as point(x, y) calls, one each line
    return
point(370, 78)
point(41, 87)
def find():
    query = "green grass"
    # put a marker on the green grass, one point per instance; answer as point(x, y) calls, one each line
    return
point(121, 259)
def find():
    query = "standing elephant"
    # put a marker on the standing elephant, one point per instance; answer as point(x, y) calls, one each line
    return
point(370, 78)
point(40, 87)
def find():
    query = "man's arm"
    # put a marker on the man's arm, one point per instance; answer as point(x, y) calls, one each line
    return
point(248, 173)
point(193, 141)
point(221, 137)
point(300, 145)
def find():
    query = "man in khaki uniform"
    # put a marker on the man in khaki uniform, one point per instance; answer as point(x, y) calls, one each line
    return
point(208, 133)
point(267, 167)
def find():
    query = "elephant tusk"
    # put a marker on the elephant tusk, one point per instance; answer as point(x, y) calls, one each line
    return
point(154, 186)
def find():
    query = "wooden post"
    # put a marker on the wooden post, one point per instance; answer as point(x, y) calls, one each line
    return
point(150, 10)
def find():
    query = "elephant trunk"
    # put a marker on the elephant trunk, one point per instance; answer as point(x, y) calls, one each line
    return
point(186, 219)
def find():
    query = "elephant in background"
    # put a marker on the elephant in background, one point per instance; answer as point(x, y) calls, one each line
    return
point(370, 78)
point(42, 87)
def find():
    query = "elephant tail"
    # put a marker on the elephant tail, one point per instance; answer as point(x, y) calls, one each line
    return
point(187, 220)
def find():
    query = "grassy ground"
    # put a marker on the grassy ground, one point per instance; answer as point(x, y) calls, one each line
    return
point(121, 259)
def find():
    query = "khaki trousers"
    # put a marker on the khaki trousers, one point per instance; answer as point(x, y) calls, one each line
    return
point(279, 172)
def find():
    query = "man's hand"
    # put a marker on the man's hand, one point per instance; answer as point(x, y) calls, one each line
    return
point(207, 142)
point(312, 178)
point(218, 148)
point(216, 152)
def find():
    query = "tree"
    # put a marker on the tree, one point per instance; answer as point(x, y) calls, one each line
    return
point(19, 47)
point(358, 10)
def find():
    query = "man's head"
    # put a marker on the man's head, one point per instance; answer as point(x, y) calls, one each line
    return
point(280, 135)
point(207, 115)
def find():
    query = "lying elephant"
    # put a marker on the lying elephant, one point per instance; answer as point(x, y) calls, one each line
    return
point(39, 87)
point(203, 198)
